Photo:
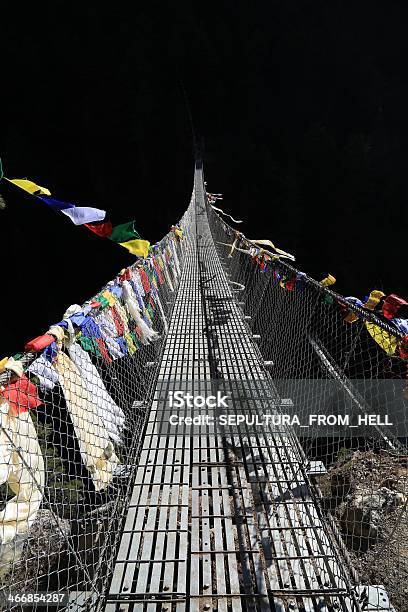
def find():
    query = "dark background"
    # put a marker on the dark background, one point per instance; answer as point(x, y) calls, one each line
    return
point(303, 108)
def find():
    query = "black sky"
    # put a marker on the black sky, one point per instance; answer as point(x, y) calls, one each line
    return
point(302, 106)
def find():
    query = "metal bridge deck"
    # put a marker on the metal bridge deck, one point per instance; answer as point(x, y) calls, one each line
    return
point(220, 522)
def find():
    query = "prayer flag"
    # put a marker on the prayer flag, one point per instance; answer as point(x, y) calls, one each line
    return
point(30, 187)
point(124, 232)
point(140, 248)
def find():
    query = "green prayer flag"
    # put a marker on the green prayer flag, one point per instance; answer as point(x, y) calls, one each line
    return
point(135, 339)
point(124, 232)
point(102, 300)
point(90, 345)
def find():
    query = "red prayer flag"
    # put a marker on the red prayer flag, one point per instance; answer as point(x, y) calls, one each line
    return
point(103, 229)
point(392, 304)
point(118, 321)
point(21, 395)
point(127, 275)
point(145, 280)
point(403, 349)
point(102, 347)
point(159, 271)
point(39, 343)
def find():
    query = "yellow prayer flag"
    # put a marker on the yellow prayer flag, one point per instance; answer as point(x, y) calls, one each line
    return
point(110, 297)
point(329, 280)
point(387, 341)
point(131, 345)
point(352, 317)
point(140, 248)
point(31, 187)
point(3, 363)
point(373, 299)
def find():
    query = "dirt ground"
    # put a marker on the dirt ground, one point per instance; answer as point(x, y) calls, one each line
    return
point(366, 492)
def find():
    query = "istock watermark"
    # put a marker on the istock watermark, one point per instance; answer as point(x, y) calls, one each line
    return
point(180, 399)
point(308, 408)
point(279, 420)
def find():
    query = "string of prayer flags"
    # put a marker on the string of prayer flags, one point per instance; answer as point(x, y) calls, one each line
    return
point(92, 218)
point(392, 304)
point(123, 234)
point(79, 215)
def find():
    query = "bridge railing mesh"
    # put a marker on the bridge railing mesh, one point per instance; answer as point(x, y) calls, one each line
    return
point(73, 409)
point(341, 369)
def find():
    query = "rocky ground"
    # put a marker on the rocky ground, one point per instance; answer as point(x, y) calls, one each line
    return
point(367, 493)
point(36, 554)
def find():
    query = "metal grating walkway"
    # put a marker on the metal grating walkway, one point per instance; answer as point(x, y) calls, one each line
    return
point(220, 522)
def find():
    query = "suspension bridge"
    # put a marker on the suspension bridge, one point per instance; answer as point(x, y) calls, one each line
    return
point(221, 523)
point(202, 516)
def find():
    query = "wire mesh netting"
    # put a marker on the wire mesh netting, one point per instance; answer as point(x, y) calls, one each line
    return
point(342, 370)
point(72, 413)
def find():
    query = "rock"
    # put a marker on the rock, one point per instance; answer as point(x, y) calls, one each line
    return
point(340, 485)
point(33, 555)
point(390, 482)
point(399, 499)
point(361, 514)
point(360, 518)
